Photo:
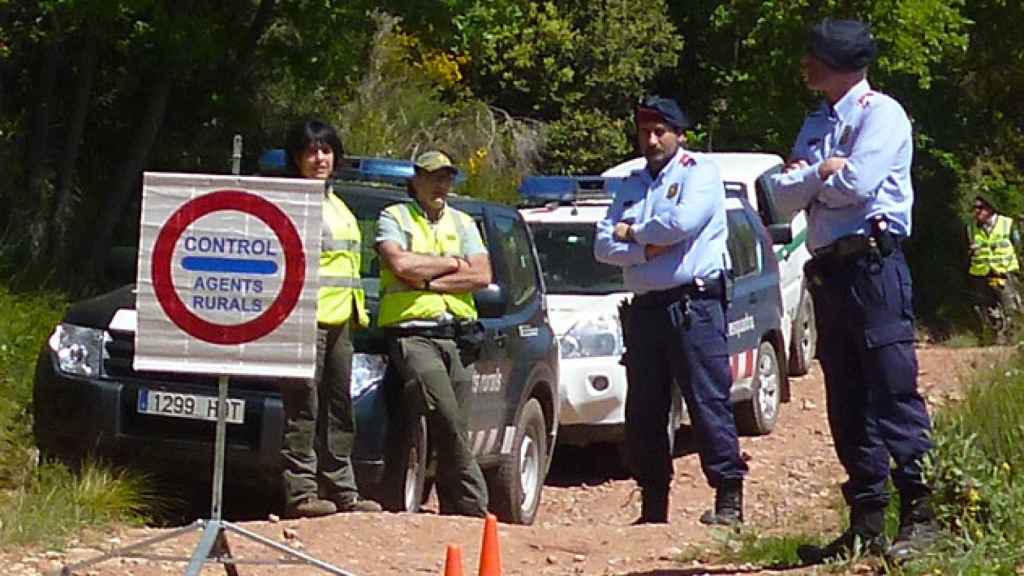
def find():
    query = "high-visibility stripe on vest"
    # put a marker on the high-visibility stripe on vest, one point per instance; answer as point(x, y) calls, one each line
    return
point(401, 303)
point(993, 250)
point(341, 290)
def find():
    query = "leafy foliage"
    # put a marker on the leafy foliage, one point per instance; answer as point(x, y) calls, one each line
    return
point(579, 65)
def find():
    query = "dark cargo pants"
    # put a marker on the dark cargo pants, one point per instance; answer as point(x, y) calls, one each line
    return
point(666, 345)
point(436, 384)
point(319, 425)
point(865, 323)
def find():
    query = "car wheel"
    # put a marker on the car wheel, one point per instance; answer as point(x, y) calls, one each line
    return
point(515, 486)
point(804, 339)
point(406, 471)
point(758, 415)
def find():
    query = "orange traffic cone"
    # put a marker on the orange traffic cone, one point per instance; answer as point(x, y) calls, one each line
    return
point(453, 561)
point(490, 552)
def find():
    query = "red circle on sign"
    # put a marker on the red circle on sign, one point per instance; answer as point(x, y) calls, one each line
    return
point(294, 269)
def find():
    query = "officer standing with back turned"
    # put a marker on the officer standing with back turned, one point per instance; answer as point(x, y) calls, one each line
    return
point(850, 168)
point(667, 229)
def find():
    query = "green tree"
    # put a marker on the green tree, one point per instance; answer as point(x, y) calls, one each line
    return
point(578, 65)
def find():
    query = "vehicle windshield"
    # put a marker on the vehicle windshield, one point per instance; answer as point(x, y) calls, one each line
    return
point(567, 259)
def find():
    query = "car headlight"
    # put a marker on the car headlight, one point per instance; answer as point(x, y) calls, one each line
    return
point(592, 337)
point(367, 372)
point(79, 349)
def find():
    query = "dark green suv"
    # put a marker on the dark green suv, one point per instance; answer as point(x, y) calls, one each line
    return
point(86, 392)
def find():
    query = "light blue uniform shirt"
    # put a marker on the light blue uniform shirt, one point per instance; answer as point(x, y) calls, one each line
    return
point(873, 132)
point(684, 206)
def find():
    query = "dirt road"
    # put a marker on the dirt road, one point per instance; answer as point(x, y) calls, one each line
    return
point(588, 504)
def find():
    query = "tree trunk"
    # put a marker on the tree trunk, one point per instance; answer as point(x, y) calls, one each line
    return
point(38, 136)
point(258, 26)
point(58, 221)
point(128, 174)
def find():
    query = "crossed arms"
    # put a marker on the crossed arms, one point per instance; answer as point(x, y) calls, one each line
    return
point(447, 274)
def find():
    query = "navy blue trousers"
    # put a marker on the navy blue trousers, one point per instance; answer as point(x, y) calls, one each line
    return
point(865, 323)
point(669, 345)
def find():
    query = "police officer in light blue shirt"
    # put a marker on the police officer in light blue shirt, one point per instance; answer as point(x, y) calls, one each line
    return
point(666, 228)
point(850, 169)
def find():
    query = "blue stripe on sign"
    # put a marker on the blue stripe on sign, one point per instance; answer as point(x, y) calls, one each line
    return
point(236, 265)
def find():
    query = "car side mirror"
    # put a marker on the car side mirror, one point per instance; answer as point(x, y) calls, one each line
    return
point(781, 233)
point(122, 264)
point(491, 302)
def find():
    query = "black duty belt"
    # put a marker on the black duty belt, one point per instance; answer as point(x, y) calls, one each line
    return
point(444, 331)
point(707, 289)
point(856, 245)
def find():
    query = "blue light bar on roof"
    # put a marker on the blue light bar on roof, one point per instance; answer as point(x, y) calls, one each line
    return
point(566, 189)
point(273, 162)
point(357, 168)
point(386, 170)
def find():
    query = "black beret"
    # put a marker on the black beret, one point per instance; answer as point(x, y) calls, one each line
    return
point(664, 109)
point(843, 45)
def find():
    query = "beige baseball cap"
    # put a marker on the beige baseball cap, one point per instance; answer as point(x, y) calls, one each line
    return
point(434, 160)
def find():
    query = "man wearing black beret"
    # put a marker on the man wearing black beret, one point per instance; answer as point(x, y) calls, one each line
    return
point(850, 169)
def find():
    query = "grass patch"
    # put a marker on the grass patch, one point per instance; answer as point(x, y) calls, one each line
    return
point(58, 504)
point(47, 504)
point(963, 340)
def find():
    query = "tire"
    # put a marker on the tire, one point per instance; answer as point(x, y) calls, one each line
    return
point(757, 416)
point(406, 470)
point(804, 339)
point(515, 486)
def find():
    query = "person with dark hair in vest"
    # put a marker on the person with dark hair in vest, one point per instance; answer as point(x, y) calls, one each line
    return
point(319, 424)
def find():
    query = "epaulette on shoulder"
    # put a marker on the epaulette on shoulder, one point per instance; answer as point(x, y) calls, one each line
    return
point(687, 160)
point(865, 99)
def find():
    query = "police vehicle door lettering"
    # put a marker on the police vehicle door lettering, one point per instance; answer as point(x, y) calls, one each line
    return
point(487, 383)
point(738, 327)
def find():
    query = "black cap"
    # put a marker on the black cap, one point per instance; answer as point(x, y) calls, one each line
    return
point(843, 45)
point(666, 110)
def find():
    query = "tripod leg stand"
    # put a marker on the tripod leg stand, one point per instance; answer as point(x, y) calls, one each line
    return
point(213, 544)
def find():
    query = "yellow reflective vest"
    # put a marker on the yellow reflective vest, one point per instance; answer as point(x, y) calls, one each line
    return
point(993, 252)
point(341, 290)
point(400, 302)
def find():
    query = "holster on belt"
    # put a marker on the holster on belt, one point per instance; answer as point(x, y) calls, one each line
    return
point(469, 337)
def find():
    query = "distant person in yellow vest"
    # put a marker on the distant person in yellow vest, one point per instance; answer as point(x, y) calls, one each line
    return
point(993, 263)
point(432, 260)
point(320, 427)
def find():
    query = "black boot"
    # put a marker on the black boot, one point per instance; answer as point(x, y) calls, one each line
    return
point(918, 529)
point(654, 509)
point(865, 536)
point(728, 505)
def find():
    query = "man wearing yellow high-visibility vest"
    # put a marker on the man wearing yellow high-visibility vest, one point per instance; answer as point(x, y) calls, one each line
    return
point(993, 262)
point(432, 260)
point(319, 424)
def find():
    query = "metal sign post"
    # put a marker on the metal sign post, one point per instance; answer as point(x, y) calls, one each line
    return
point(197, 228)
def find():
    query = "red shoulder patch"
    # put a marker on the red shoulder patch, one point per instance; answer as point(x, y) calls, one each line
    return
point(865, 99)
point(687, 160)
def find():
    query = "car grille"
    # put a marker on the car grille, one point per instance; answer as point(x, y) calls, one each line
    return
point(119, 352)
